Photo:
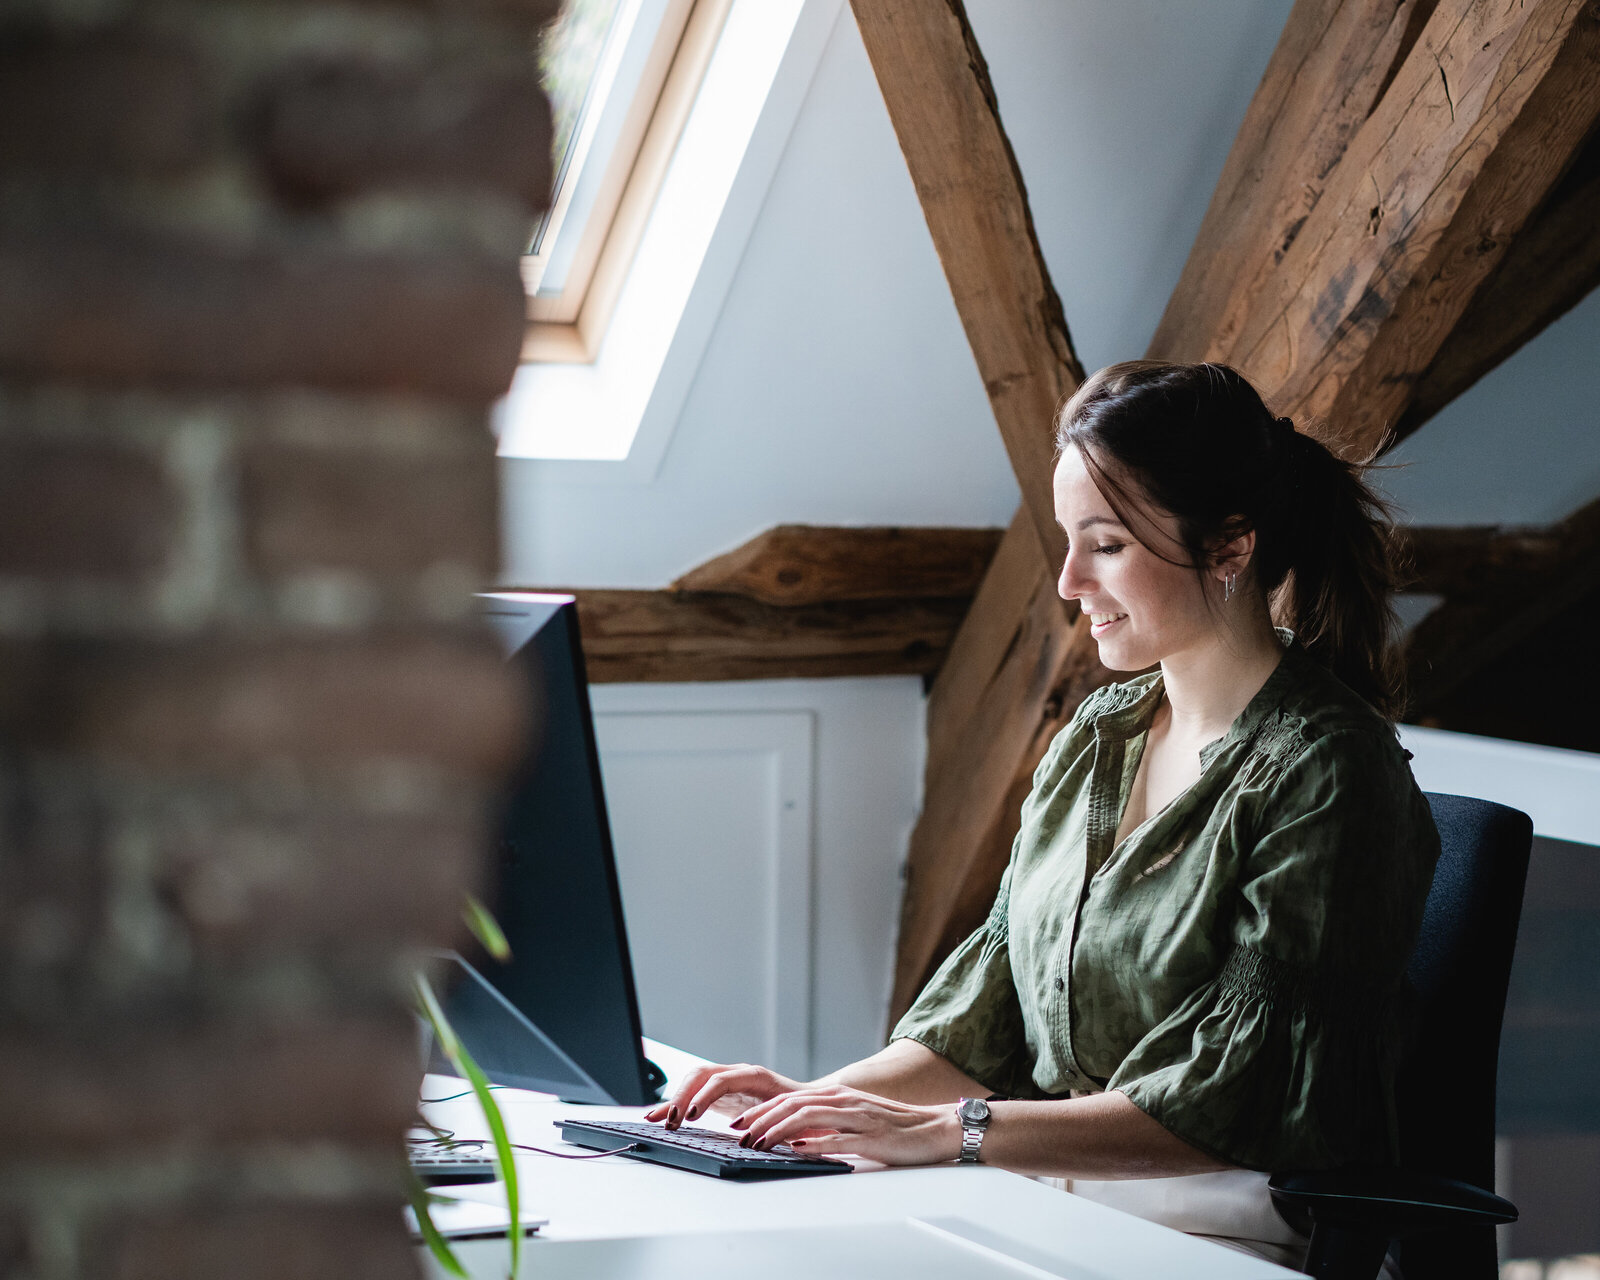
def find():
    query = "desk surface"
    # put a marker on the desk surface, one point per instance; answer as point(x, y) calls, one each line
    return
point(625, 1218)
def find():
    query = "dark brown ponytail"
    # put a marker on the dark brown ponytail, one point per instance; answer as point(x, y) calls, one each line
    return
point(1197, 441)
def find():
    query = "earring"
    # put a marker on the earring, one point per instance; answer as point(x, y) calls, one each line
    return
point(1228, 585)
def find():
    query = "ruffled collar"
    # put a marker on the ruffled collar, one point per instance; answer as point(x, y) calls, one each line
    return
point(1131, 706)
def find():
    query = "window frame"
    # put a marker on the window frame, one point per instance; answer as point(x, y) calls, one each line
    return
point(568, 328)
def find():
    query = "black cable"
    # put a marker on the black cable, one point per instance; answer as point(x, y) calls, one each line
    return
point(449, 1142)
point(572, 1155)
point(465, 1093)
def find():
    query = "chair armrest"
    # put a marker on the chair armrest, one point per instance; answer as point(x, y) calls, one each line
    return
point(1392, 1202)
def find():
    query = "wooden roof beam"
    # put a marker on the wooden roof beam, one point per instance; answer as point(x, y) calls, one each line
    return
point(1022, 658)
point(631, 636)
point(1329, 69)
point(1500, 586)
point(1550, 267)
point(1484, 116)
point(799, 564)
point(942, 104)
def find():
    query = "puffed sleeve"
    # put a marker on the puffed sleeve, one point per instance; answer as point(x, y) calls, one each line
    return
point(1286, 1059)
point(969, 1012)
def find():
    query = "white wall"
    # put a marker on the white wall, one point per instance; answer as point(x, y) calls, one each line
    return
point(685, 861)
point(838, 388)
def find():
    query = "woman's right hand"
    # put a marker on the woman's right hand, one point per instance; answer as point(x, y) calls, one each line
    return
point(725, 1089)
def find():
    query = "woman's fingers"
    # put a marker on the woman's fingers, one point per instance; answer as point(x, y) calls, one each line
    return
point(758, 1116)
point(809, 1118)
point(846, 1120)
point(744, 1080)
point(672, 1109)
point(723, 1088)
point(778, 1116)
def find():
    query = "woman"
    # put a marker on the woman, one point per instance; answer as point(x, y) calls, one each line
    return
point(1194, 965)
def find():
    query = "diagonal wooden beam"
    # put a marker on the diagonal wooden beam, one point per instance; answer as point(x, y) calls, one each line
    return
point(1482, 118)
point(1022, 659)
point(1328, 71)
point(1551, 267)
point(942, 104)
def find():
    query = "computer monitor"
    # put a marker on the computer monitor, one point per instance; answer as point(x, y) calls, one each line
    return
point(562, 1016)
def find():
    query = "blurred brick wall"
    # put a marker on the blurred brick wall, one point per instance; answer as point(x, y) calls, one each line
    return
point(258, 287)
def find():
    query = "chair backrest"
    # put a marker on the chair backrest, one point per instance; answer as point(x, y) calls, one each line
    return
point(1459, 971)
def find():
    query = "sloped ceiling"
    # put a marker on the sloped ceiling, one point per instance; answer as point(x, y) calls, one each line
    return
point(838, 388)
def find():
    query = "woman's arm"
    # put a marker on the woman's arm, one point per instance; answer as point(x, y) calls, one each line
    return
point(1103, 1137)
point(908, 1071)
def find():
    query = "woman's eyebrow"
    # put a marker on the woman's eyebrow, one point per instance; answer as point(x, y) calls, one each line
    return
point(1089, 521)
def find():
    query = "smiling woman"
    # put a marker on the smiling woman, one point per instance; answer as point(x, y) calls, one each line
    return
point(1188, 462)
point(1192, 974)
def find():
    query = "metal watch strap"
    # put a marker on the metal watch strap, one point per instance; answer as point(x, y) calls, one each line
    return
point(972, 1132)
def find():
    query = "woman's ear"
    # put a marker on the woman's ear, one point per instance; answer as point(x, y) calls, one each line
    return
point(1234, 555)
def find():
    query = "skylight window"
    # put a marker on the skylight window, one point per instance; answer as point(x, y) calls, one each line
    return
point(735, 82)
point(621, 75)
point(570, 65)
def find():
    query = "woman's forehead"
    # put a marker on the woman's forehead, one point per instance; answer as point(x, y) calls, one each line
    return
point(1082, 504)
point(1076, 492)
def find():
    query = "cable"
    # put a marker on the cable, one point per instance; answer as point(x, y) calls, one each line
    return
point(465, 1093)
point(451, 1143)
point(571, 1155)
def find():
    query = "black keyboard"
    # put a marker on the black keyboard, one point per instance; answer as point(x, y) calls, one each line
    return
point(707, 1151)
point(442, 1166)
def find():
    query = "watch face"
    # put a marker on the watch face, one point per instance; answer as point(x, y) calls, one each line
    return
point(973, 1110)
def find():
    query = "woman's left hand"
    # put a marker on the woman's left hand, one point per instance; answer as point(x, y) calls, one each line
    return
point(837, 1120)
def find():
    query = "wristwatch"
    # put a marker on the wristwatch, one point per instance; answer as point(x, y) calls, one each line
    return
point(974, 1116)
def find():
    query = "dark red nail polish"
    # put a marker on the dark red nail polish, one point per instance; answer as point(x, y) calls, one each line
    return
point(672, 1116)
point(736, 1123)
point(693, 1112)
point(745, 1141)
point(798, 1142)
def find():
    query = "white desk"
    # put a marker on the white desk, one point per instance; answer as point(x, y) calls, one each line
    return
point(624, 1218)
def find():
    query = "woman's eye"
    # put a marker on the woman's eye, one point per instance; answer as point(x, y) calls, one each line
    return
point(1109, 549)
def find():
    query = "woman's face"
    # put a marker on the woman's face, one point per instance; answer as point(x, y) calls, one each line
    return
point(1141, 608)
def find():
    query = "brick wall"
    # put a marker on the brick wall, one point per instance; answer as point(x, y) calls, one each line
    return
point(258, 287)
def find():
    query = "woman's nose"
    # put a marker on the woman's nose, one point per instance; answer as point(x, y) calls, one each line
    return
point(1071, 583)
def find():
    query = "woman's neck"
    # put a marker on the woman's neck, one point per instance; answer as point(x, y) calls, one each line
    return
point(1208, 685)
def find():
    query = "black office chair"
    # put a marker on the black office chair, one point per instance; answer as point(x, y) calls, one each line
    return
point(1433, 1209)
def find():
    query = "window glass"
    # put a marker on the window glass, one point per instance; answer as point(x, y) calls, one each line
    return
point(569, 59)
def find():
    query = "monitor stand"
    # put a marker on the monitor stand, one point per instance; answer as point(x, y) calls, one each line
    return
point(508, 1046)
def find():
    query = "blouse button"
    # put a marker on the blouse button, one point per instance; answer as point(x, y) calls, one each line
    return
point(1061, 984)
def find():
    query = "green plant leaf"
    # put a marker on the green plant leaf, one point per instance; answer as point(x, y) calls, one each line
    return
point(486, 929)
point(504, 1161)
point(438, 1246)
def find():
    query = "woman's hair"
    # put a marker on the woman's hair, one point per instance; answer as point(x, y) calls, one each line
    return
point(1196, 440)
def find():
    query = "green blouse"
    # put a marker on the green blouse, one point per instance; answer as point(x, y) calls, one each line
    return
point(1235, 966)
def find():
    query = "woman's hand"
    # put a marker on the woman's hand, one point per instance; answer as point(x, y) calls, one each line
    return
point(725, 1089)
point(836, 1120)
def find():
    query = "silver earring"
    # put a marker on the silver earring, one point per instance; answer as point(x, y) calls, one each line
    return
point(1228, 585)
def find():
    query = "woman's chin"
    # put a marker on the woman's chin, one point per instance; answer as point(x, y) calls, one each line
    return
point(1119, 657)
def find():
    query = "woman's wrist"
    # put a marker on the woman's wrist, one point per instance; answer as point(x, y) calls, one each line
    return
point(947, 1125)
